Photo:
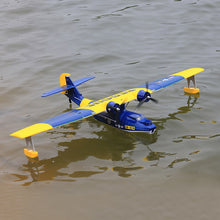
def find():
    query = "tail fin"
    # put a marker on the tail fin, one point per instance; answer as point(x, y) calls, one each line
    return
point(68, 88)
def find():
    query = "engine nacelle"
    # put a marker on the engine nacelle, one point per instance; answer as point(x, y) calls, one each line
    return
point(143, 95)
point(112, 107)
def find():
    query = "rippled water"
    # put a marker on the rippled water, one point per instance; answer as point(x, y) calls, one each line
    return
point(88, 170)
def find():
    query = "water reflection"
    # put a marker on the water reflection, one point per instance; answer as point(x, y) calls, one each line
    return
point(156, 156)
point(91, 150)
point(160, 122)
point(108, 150)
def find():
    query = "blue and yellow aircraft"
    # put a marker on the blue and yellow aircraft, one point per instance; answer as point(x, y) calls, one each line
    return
point(111, 110)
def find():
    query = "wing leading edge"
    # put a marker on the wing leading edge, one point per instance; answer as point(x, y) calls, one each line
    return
point(171, 79)
point(67, 117)
point(131, 94)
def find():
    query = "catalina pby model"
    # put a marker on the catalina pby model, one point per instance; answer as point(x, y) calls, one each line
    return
point(110, 110)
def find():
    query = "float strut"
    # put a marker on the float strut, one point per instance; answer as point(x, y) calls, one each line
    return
point(193, 90)
point(29, 143)
point(30, 153)
point(192, 78)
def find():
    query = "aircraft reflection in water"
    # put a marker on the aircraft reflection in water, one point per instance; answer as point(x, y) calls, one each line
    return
point(110, 145)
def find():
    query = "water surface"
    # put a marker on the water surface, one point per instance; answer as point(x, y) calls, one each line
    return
point(88, 170)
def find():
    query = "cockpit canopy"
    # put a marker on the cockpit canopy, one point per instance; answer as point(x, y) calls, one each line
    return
point(140, 118)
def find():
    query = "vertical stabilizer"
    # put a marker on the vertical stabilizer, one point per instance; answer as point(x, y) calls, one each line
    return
point(73, 93)
point(68, 88)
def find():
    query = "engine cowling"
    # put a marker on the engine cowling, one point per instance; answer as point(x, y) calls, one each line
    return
point(112, 107)
point(143, 95)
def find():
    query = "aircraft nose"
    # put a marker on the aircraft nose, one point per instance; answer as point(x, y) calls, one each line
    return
point(151, 128)
point(152, 131)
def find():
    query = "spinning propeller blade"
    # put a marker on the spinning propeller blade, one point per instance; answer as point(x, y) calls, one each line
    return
point(148, 97)
point(154, 100)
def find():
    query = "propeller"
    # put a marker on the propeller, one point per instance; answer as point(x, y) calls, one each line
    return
point(148, 97)
point(117, 110)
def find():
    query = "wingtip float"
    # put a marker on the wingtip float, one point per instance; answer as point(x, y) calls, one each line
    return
point(190, 76)
point(110, 110)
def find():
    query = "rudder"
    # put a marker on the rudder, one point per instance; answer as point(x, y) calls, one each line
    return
point(73, 93)
point(68, 88)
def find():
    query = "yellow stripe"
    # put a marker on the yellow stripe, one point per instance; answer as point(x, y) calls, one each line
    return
point(120, 98)
point(85, 102)
point(31, 130)
point(189, 72)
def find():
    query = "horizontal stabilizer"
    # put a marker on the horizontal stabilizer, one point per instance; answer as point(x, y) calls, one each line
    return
point(57, 90)
point(66, 87)
point(80, 81)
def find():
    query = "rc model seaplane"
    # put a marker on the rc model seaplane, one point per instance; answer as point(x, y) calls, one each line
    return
point(111, 110)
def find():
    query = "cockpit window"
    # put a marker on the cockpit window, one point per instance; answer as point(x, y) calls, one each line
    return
point(141, 120)
point(148, 123)
point(133, 118)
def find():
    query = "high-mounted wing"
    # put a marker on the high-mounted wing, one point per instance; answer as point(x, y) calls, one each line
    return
point(171, 79)
point(96, 107)
point(131, 94)
point(67, 117)
point(66, 87)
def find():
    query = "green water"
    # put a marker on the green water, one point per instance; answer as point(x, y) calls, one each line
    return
point(88, 170)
